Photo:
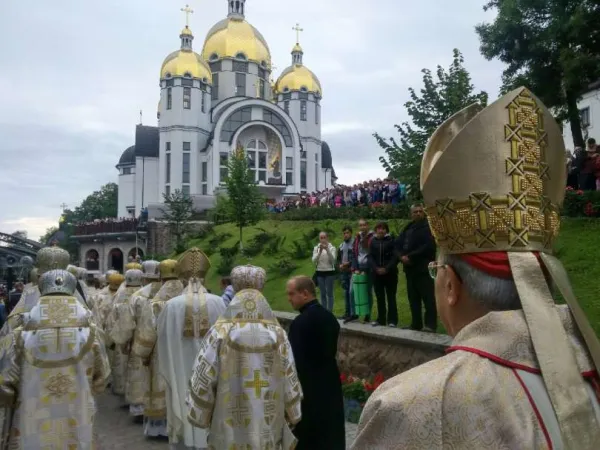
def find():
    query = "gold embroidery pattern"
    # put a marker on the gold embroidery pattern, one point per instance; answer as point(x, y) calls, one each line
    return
point(196, 322)
point(525, 217)
point(59, 385)
point(257, 384)
point(240, 413)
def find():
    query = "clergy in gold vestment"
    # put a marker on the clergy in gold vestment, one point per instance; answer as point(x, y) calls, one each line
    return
point(51, 369)
point(522, 372)
point(244, 387)
point(129, 314)
point(133, 282)
point(105, 297)
point(181, 327)
point(144, 348)
point(48, 258)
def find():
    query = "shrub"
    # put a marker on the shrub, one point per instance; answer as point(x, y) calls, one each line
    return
point(380, 212)
point(230, 252)
point(299, 250)
point(218, 239)
point(226, 265)
point(283, 267)
point(581, 203)
point(275, 247)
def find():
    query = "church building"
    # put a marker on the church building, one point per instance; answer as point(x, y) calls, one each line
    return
point(217, 100)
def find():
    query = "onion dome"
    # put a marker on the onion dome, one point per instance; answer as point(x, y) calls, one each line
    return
point(185, 62)
point(298, 77)
point(234, 37)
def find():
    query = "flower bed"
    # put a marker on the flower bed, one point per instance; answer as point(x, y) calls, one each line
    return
point(581, 203)
point(356, 392)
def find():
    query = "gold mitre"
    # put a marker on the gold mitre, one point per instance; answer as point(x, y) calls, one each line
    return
point(248, 277)
point(50, 258)
point(115, 280)
point(193, 263)
point(133, 266)
point(494, 180)
point(168, 269)
point(73, 270)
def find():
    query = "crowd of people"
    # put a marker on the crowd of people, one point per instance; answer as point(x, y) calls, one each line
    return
point(583, 167)
point(376, 255)
point(373, 192)
point(108, 225)
point(156, 337)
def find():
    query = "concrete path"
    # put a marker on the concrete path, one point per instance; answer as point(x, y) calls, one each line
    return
point(117, 431)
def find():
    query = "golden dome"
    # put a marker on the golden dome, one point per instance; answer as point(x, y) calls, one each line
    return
point(233, 36)
point(186, 31)
point(298, 77)
point(297, 48)
point(182, 62)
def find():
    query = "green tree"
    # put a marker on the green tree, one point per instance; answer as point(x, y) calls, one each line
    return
point(98, 205)
point(21, 234)
point(178, 213)
point(244, 204)
point(49, 232)
point(440, 97)
point(549, 46)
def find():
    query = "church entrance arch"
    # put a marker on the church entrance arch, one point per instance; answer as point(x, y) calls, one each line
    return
point(115, 260)
point(92, 260)
point(134, 253)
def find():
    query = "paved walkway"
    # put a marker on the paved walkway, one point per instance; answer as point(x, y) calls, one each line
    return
point(117, 431)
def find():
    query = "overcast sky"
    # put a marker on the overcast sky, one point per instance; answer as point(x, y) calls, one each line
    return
point(74, 76)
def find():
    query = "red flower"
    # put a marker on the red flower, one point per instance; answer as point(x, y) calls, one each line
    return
point(579, 192)
point(588, 210)
point(378, 380)
point(343, 378)
point(568, 188)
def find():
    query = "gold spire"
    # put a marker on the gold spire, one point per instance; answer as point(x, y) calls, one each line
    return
point(187, 10)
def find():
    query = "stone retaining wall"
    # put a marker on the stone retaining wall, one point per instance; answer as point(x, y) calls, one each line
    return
point(161, 241)
point(364, 350)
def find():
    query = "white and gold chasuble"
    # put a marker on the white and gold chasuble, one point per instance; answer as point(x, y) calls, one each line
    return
point(51, 369)
point(104, 303)
point(144, 348)
point(486, 394)
point(29, 298)
point(129, 315)
point(121, 352)
point(181, 327)
point(244, 385)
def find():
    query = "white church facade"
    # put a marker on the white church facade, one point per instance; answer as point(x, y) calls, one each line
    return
point(212, 102)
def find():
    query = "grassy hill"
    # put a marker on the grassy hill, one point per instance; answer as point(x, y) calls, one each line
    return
point(284, 248)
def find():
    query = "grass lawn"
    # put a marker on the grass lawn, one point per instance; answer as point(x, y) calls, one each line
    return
point(577, 248)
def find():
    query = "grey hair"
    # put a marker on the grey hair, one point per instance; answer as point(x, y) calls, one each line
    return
point(495, 294)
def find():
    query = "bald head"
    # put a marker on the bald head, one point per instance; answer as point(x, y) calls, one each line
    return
point(300, 290)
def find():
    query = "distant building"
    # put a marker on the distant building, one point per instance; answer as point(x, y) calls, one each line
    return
point(589, 112)
point(219, 99)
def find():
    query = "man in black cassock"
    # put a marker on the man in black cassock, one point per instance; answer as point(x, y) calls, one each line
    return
point(314, 336)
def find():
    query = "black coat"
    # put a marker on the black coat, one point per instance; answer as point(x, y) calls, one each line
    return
point(314, 336)
point(417, 242)
point(382, 254)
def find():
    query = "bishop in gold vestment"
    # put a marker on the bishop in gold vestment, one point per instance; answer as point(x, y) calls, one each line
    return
point(144, 348)
point(106, 296)
point(133, 282)
point(51, 369)
point(522, 372)
point(181, 327)
point(48, 258)
point(129, 314)
point(244, 387)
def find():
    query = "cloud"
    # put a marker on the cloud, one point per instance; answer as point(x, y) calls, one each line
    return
point(35, 226)
point(74, 83)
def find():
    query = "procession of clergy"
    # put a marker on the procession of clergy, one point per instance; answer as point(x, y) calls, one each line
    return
point(522, 372)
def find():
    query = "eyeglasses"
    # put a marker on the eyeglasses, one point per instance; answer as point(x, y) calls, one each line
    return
point(433, 267)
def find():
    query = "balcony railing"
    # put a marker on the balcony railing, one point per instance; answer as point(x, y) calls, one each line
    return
point(121, 226)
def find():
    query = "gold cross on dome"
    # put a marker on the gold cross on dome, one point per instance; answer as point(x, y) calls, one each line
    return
point(298, 30)
point(187, 10)
point(257, 384)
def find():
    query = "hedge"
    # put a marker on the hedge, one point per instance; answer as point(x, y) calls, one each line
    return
point(576, 204)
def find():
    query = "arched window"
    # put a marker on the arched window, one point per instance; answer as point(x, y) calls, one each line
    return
point(241, 56)
point(92, 260)
point(256, 152)
point(272, 118)
point(214, 57)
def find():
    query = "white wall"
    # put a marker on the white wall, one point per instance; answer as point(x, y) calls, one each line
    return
point(589, 100)
point(147, 173)
point(126, 193)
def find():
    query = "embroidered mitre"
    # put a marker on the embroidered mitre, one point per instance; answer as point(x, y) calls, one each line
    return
point(248, 277)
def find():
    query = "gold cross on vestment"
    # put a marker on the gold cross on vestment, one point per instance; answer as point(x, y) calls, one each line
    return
point(257, 384)
point(187, 10)
point(298, 30)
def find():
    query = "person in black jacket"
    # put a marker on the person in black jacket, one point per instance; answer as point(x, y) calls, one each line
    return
point(416, 248)
point(313, 336)
point(384, 265)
